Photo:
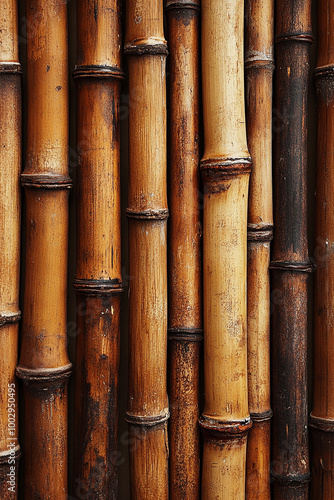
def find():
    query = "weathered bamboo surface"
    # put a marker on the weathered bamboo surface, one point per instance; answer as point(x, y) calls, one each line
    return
point(290, 263)
point(98, 281)
point(44, 365)
point(225, 170)
point(10, 219)
point(322, 416)
point(259, 54)
point(185, 308)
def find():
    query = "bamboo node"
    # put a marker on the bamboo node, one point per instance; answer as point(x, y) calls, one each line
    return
point(262, 417)
point(96, 71)
point(322, 424)
point(264, 233)
point(161, 214)
point(327, 70)
point(301, 267)
point(259, 63)
point(224, 430)
point(147, 421)
point(44, 375)
point(146, 46)
point(182, 4)
point(186, 334)
point(291, 480)
point(46, 181)
point(295, 37)
point(11, 68)
point(98, 287)
point(7, 317)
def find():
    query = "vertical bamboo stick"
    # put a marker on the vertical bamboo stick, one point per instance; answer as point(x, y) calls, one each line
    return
point(322, 416)
point(10, 218)
point(185, 312)
point(98, 276)
point(225, 169)
point(44, 365)
point(259, 67)
point(290, 264)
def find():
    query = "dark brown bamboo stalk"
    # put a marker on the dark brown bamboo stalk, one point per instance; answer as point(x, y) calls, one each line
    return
point(290, 264)
point(98, 276)
point(259, 38)
point(322, 416)
point(185, 311)
point(44, 365)
point(10, 221)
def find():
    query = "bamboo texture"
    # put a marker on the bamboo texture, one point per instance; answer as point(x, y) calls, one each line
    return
point(10, 218)
point(44, 365)
point(290, 264)
point(147, 213)
point(185, 310)
point(225, 169)
point(322, 416)
point(259, 66)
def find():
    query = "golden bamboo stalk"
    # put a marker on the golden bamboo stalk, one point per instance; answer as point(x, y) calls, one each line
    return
point(44, 365)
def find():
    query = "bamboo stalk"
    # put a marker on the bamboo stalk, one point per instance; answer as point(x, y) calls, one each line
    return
point(259, 67)
point(10, 221)
point(147, 213)
point(290, 264)
point(225, 169)
point(185, 311)
point(322, 416)
point(44, 365)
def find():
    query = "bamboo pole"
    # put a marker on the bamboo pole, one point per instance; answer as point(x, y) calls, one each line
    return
point(225, 170)
point(290, 264)
point(185, 311)
point(322, 416)
point(259, 38)
point(10, 219)
point(44, 365)
point(98, 276)
point(147, 213)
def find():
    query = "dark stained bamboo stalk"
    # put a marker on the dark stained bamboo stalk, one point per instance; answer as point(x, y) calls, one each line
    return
point(147, 212)
point(259, 54)
point(185, 308)
point(322, 416)
point(290, 262)
point(98, 281)
point(10, 221)
point(44, 365)
point(225, 169)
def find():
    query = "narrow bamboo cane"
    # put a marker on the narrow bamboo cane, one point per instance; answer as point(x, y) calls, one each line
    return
point(98, 276)
point(147, 213)
point(259, 38)
point(44, 365)
point(225, 169)
point(185, 311)
point(10, 218)
point(290, 264)
point(322, 416)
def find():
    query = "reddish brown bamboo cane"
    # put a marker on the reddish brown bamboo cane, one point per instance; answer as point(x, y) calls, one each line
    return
point(10, 215)
point(44, 364)
point(225, 169)
point(185, 312)
point(98, 277)
point(259, 70)
point(290, 265)
point(322, 417)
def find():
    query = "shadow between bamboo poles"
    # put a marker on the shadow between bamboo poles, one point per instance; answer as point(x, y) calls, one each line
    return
point(259, 66)
point(290, 265)
point(98, 281)
point(10, 226)
point(322, 416)
point(185, 332)
point(44, 365)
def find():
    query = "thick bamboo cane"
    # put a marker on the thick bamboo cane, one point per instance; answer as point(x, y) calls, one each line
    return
point(10, 217)
point(225, 169)
point(322, 417)
point(185, 311)
point(98, 276)
point(44, 365)
point(290, 264)
point(259, 67)
point(147, 213)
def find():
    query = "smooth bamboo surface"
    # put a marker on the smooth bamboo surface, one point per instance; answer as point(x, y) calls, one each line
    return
point(147, 212)
point(225, 170)
point(290, 262)
point(98, 275)
point(44, 365)
point(322, 416)
point(10, 220)
point(259, 54)
point(185, 294)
